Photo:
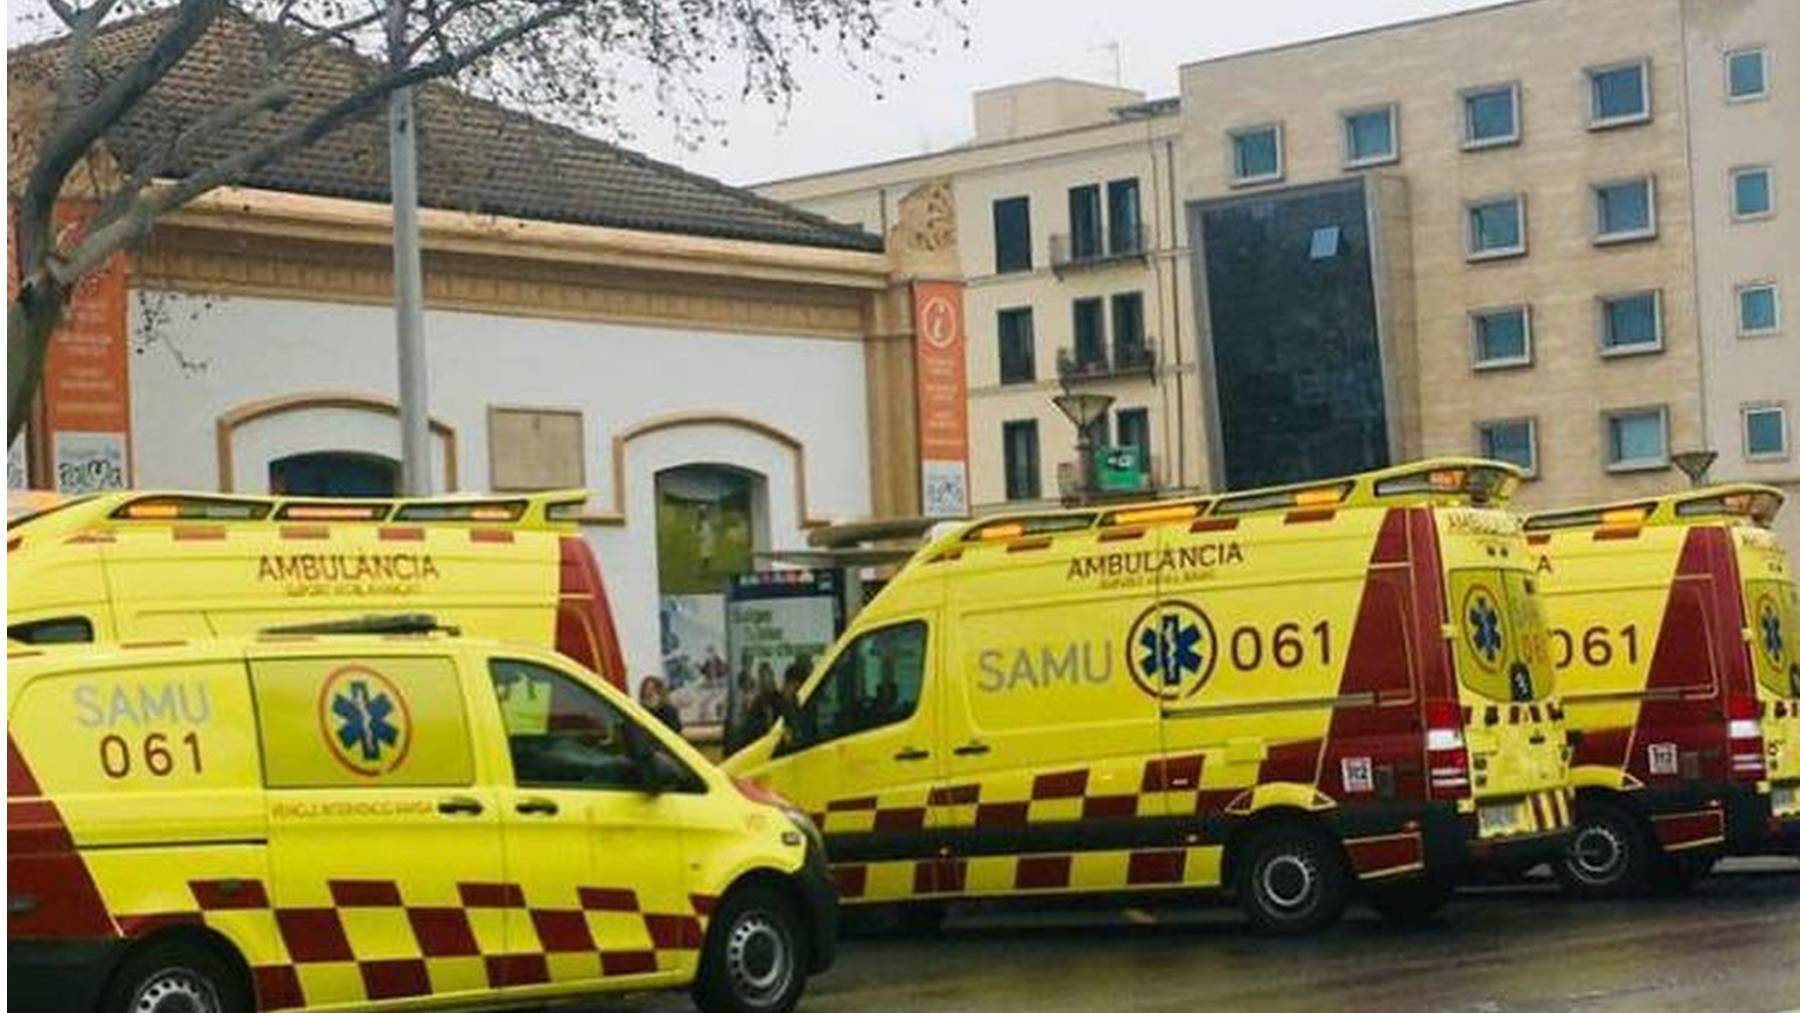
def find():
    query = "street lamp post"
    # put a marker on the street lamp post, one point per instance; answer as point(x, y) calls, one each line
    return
point(1695, 464)
point(1083, 410)
point(409, 312)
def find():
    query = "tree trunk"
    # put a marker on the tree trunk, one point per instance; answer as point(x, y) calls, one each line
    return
point(30, 320)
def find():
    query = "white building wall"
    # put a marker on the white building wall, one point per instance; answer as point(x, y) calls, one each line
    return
point(618, 375)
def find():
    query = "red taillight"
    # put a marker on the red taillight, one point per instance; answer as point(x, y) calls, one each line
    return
point(584, 626)
point(1446, 752)
point(1743, 732)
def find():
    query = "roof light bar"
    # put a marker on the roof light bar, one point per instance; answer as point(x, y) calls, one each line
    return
point(1284, 499)
point(475, 510)
point(191, 508)
point(333, 512)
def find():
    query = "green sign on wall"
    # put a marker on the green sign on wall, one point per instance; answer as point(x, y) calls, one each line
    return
point(1120, 469)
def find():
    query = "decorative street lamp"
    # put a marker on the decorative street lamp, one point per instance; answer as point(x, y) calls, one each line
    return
point(1695, 464)
point(1083, 410)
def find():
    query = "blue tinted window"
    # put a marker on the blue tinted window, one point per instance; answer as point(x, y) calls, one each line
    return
point(1370, 135)
point(1496, 225)
point(1636, 438)
point(1012, 234)
point(1500, 336)
point(1630, 321)
point(1746, 74)
point(1510, 442)
point(1490, 115)
point(1620, 93)
point(1623, 207)
point(1256, 153)
point(1750, 193)
point(1757, 310)
point(1765, 432)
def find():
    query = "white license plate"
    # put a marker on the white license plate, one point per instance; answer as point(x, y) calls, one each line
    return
point(1503, 818)
point(1783, 800)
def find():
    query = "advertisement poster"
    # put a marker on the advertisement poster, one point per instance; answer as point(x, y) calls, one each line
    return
point(778, 624)
point(703, 529)
point(943, 388)
point(693, 656)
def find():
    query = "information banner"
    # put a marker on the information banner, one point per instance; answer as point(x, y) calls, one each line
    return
point(82, 430)
point(943, 398)
point(778, 624)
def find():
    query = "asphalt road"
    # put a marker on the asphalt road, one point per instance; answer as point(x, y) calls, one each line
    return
point(1731, 945)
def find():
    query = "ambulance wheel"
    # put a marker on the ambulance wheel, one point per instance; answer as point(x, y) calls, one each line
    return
point(176, 977)
point(1608, 855)
point(755, 958)
point(1410, 902)
point(1291, 879)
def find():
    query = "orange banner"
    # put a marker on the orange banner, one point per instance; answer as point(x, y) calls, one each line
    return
point(83, 425)
point(943, 398)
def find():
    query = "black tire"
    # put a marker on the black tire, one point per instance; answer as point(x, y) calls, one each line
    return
point(1291, 879)
point(1410, 902)
point(176, 976)
point(1609, 854)
point(756, 957)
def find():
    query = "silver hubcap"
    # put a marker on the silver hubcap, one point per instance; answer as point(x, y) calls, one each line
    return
point(1597, 855)
point(759, 959)
point(176, 990)
point(1289, 880)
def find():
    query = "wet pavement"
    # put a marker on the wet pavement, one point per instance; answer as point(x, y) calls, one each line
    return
point(1731, 945)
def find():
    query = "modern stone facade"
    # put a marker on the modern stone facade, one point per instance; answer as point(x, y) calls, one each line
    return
point(1626, 346)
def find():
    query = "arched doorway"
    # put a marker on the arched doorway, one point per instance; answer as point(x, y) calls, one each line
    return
point(337, 473)
point(711, 519)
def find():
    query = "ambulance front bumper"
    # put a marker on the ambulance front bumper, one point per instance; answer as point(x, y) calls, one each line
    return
point(820, 894)
point(57, 976)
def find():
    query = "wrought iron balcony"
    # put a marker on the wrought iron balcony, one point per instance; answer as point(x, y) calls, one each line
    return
point(1129, 358)
point(1071, 251)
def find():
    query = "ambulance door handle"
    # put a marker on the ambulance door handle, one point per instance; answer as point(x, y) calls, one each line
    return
point(535, 807)
point(912, 753)
point(459, 805)
point(972, 749)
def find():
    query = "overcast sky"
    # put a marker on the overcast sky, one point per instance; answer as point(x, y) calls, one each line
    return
point(837, 121)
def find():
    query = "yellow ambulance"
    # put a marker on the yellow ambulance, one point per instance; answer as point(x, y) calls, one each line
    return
point(156, 565)
point(1673, 623)
point(1297, 693)
point(405, 820)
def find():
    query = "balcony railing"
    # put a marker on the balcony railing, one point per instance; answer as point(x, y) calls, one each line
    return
point(1076, 250)
point(1127, 359)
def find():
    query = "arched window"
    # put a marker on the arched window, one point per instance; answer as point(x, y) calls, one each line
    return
point(334, 473)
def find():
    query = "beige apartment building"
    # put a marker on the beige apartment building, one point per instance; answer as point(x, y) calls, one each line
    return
point(1548, 231)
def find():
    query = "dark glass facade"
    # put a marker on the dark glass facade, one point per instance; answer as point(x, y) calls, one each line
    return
point(1295, 354)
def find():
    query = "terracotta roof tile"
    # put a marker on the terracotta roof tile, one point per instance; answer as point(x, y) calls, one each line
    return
point(474, 155)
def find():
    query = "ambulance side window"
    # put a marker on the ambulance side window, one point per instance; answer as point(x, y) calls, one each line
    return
point(61, 630)
point(875, 682)
point(565, 735)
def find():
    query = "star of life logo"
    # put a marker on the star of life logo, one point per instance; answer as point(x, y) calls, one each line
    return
point(365, 720)
point(1172, 650)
